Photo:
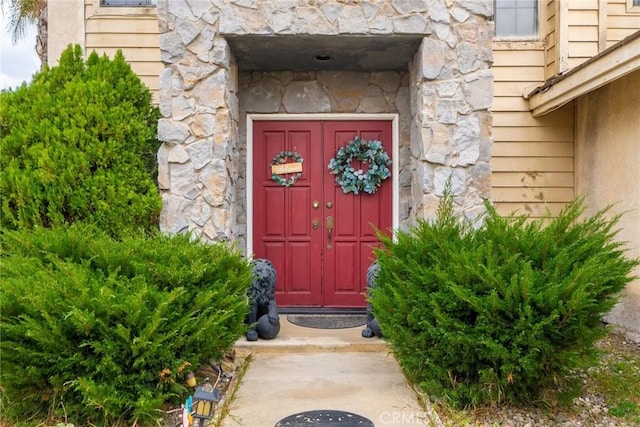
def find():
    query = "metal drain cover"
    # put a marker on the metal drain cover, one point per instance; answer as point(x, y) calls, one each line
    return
point(324, 418)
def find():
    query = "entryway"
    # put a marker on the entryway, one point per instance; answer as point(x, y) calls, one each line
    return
point(319, 238)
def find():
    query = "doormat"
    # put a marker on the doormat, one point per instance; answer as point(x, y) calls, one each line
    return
point(328, 321)
point(324, 418)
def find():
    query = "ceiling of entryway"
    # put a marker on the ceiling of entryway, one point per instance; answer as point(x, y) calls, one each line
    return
point(311, 53)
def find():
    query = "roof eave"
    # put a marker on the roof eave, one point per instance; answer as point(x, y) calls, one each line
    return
point(611, 64)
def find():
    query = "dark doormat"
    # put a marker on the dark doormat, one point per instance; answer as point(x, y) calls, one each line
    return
point(328, 321)
point(325, 418)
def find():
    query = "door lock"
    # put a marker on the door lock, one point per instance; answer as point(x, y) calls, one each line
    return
point(315, 204)
point(315, 224)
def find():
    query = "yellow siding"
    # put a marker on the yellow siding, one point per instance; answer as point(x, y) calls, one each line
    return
point(134, 31)
point(620, 22)
point(532, 158)
point(581, 31)
point(550, 18)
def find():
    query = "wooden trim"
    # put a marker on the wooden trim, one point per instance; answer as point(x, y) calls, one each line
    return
point(602, 25)
point(395, 171)
point(563, 37)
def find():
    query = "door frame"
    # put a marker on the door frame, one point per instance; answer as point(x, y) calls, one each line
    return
point(395, 173)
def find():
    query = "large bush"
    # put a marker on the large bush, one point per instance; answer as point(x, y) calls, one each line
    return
point(502, 312)
point(78, 144)
point(104, 330)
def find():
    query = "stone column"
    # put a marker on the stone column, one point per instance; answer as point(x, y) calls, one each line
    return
point(452, 92)
point(198, 160)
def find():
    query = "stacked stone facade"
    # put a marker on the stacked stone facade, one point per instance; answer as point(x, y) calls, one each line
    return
point(443, 100)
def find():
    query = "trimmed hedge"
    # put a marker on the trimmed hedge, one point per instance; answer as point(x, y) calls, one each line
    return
point(103, 331)
point(502, 312)
point(78, 144)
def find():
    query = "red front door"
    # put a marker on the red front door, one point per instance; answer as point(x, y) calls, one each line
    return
point(319, 239)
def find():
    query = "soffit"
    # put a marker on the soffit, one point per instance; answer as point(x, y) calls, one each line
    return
point(301, 52)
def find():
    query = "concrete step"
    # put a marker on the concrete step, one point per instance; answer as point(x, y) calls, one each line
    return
point(297, 339)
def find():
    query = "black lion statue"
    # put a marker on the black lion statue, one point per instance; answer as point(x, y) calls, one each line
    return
point(263, 317)
point(373, 327)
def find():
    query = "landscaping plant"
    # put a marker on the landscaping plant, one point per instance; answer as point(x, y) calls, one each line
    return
point(500, 312)
point(99, 331)
point(78, 144)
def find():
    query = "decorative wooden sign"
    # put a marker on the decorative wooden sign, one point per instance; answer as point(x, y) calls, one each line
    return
point(285, 168)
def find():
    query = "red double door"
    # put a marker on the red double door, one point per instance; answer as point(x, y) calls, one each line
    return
point(319, 239)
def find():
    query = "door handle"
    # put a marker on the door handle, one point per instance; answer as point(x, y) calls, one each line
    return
point(329, 231)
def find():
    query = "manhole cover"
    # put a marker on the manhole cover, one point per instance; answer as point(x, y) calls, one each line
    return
point(324, 418)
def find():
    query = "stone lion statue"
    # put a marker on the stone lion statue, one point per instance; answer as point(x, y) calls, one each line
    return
point(373, 327)
point(263, 317)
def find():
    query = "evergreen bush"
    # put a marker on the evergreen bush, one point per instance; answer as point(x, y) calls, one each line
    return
point(78, 144)
point(502, 312)
point(103, 331)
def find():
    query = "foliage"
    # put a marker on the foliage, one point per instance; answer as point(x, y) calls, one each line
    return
point(500, 312)
point(104, 330)
point(78, 144)
point(20, 14)
point(352, 180)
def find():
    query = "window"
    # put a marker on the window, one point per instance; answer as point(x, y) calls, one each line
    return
point(516, 18)
point(129, 3)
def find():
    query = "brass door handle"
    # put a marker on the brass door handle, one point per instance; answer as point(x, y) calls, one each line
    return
point(329, 231)
point(315, 224)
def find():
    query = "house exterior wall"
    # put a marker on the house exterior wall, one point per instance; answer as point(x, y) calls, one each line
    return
point(530, 156)
point(532, 159)
point(576, 30)
point(133, 30)
point(451, 84)
point(607, 159)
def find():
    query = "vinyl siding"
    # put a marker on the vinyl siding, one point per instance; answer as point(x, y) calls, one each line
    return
point(532, 158)
point(582, 31)
point(621, 22)
point(550, 18)
point(134, 31)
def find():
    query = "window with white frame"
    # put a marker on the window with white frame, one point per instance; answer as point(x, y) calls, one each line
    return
point(516, 18)
point(129, 3)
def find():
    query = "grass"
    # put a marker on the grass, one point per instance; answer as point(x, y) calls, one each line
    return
point(612, 381)
point(617, 378)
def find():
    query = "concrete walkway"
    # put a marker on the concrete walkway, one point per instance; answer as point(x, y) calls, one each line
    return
point(306, 369)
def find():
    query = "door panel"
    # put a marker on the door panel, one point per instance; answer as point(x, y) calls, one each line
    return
point(354, 237)
point(317, 266)
point(282, 215)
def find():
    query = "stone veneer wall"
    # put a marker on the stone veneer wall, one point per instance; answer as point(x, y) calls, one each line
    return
point(443, 100)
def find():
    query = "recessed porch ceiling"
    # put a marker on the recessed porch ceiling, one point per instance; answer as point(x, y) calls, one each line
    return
point(313, 53)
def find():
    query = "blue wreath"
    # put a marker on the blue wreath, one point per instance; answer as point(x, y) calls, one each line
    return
point(356, 181)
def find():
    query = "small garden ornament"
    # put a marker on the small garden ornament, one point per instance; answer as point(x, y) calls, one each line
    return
point(263, 317)
point(373, 327)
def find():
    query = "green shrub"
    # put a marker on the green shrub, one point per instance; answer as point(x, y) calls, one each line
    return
point(105, 330)
point(502, 312)
point(78, 144)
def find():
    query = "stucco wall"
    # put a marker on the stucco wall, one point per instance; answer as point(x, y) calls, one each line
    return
point(608, 172)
